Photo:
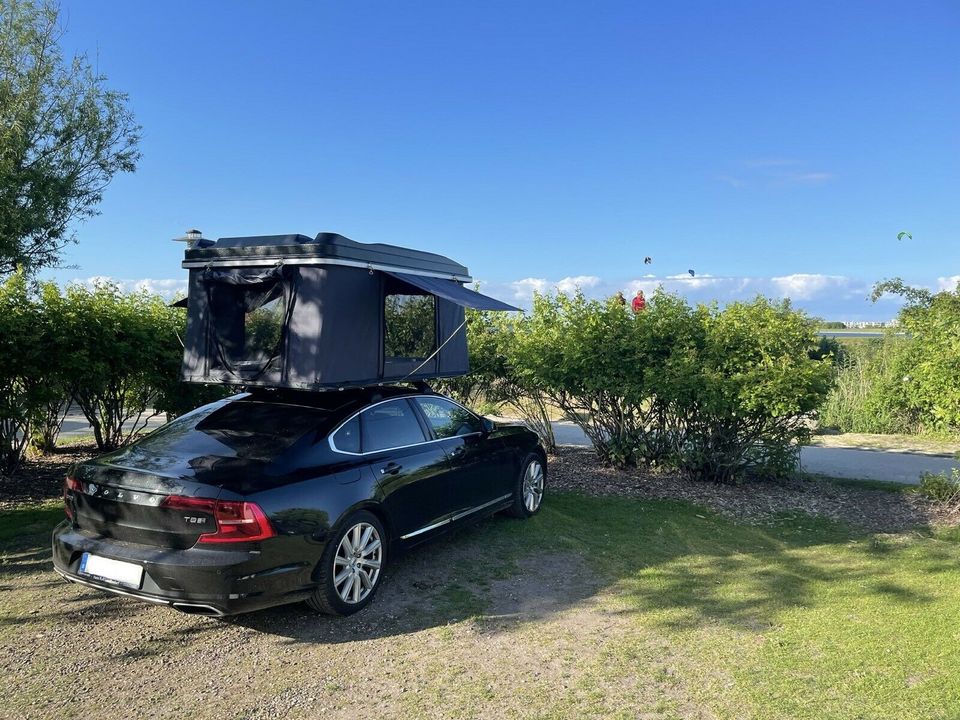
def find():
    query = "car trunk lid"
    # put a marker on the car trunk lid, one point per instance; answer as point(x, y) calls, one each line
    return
point(130, 505)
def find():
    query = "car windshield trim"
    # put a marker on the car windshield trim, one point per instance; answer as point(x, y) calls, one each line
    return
point(333, 445)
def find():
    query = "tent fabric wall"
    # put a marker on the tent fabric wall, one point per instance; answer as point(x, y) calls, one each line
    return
point(333, 324)
point(334, 332)
point(333, 336)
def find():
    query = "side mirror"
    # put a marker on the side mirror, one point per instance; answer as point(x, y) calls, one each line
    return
point(488, 425)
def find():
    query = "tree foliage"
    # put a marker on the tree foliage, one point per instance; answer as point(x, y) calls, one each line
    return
point(930, 385)
point(63, 136)
point(125, 350)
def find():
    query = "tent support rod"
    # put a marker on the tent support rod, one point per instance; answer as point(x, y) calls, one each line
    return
point(434, 353)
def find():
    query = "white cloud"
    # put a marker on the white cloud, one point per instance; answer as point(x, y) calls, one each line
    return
point(523, 290)
point(580, 282)
point(809, 178)
point(834, 297)
point(948, 283)
point(772, 172)
point(696, 281)
point(804, 286)
point(165, 287)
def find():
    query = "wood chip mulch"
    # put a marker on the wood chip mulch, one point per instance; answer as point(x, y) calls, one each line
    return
point(41, 478)
point(577, 469)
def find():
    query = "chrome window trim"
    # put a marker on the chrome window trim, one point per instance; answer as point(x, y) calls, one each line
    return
point(456, 517)
point(334, 447)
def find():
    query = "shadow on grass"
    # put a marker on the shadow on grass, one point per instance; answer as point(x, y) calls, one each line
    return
point(677, 564)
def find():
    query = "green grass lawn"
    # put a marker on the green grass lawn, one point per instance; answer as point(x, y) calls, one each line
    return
point(675, 612)
point(799, 619)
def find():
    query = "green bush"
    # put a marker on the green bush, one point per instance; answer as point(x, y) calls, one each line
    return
point(870, 390)
point(908, 382)
point(932, 382)
point(943, 489)
point(486, 363)
point(586, 357)
point(720, 394)
point(125, 351)
point(24, 358)
point(754, 393)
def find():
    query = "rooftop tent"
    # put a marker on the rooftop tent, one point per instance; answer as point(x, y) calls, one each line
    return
point(290, 311)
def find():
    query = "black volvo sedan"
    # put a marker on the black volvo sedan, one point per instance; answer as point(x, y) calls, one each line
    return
point(274, 497)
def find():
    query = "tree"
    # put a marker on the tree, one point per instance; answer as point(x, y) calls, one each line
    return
point(931, 376)
point(63, 136)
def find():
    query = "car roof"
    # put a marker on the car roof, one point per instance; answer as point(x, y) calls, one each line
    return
point(338, 403)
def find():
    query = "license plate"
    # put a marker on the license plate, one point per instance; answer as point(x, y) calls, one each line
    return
point(111, 571)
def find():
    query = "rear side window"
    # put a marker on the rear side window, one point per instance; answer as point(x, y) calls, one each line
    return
point(389, 425)
point(448, 419)
point(347, 438)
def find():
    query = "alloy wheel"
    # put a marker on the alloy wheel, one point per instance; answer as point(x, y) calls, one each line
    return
point(533, 486)
point(356, 566)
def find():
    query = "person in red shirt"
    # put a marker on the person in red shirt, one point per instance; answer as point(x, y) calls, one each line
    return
point(639, 302)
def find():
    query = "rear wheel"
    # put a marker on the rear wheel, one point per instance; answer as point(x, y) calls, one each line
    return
point(531, 483)
point(351, 566)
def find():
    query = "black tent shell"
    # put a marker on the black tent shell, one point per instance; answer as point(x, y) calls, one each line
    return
point(328, 301)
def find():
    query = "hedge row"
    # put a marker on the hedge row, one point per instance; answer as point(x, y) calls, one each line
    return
point(112, 354)
point(719, 394)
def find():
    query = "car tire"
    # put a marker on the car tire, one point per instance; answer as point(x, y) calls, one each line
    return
point(348, 576)
point(531, 483)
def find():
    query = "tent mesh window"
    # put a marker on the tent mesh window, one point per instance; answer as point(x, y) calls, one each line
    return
point(252, 311)
point(262, 330)
point(410, 326)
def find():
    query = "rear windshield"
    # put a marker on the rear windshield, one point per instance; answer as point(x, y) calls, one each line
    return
point(237, 429)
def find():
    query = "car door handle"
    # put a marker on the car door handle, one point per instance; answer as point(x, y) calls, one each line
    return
point(391, 468)
point(457, 451)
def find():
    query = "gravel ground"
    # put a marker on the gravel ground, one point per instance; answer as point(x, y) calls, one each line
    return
point(536, 650)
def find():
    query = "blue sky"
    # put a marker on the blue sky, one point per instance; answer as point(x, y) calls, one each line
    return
point(772, 147)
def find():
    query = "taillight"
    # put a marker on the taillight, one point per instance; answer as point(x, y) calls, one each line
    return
point(70, 485)
point(237, 521)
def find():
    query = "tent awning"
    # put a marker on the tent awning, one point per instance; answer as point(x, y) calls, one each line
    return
point(452, 291)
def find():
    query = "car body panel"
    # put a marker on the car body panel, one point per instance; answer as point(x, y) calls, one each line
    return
point(305, 487)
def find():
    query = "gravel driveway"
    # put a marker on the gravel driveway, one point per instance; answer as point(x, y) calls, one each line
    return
point(68, 651)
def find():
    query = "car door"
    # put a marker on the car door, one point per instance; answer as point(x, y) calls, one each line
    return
point(481, 465)
point(413, 474)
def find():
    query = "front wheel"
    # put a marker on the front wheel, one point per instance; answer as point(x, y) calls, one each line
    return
point(351, 566)
point(528, 493)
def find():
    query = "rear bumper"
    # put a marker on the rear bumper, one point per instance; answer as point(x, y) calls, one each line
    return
point(205, 581)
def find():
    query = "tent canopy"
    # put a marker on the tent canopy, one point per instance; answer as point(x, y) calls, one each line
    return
point(285, 311)
point(453, 291)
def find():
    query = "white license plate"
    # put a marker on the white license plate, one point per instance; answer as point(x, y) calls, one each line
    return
point(112, 571)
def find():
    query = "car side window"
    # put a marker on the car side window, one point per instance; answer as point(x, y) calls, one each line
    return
point(448, 419)
point(389, 425)
point(347, 438)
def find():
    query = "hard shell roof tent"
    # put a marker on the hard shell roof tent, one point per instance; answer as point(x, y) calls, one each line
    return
point(288, 311)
